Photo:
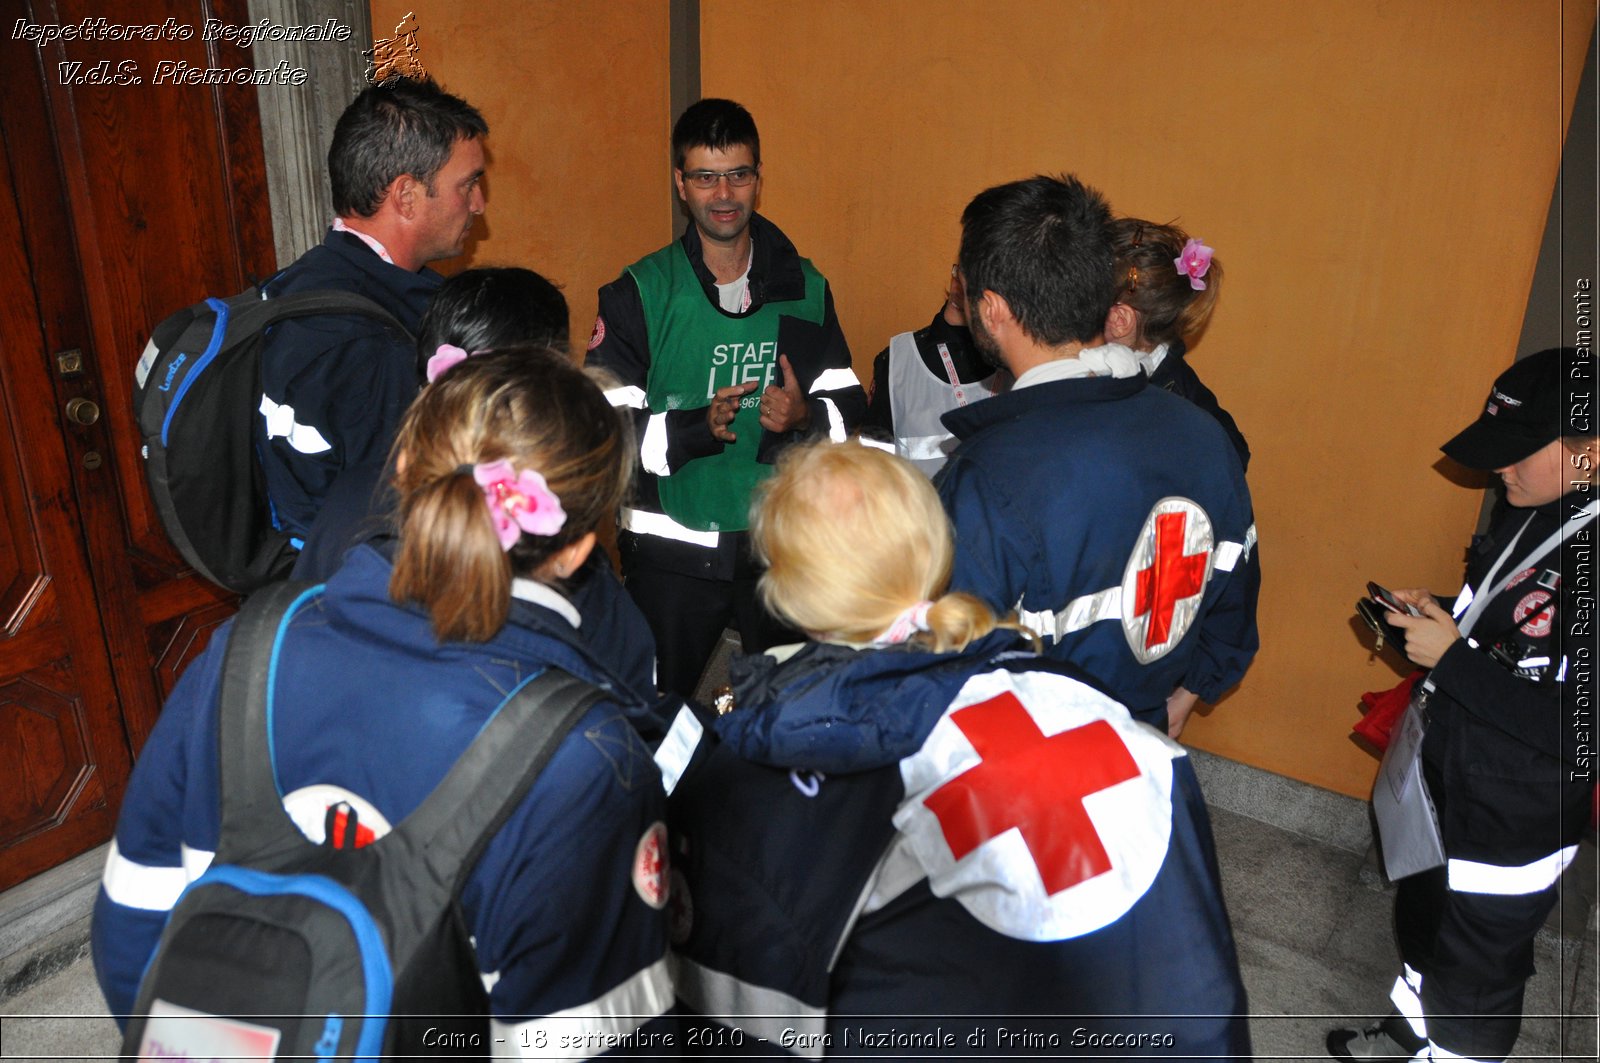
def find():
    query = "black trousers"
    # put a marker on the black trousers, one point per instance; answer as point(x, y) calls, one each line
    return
point(1474, 952)
point(688, 614)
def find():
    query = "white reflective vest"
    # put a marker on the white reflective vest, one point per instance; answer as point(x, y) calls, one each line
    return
point(918, 399)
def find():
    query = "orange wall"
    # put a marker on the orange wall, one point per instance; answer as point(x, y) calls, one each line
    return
point(1375, 177)
point(575, 95)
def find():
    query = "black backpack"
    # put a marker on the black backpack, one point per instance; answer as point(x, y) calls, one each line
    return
point(197, 394)
point(288, 949)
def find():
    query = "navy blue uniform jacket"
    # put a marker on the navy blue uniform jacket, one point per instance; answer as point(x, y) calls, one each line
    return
point(369, 704)
point(880, 849)
point(1114, 518)
point(337, 384)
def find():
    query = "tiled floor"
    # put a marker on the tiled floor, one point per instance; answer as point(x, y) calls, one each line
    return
point(1314, 941)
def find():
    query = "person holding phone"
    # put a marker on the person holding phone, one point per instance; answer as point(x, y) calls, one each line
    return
point(1503, 757)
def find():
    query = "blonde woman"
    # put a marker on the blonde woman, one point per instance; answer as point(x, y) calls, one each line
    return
point(914, 815)
point(507, 465)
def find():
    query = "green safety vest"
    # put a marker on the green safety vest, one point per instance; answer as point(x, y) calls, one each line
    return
point(696, 348)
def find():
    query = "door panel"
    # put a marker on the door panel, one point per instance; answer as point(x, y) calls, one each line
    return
point(61, 735)
point(120, 204)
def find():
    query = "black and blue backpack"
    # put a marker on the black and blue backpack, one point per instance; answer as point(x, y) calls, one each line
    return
point(197, 394)
point(289, 949)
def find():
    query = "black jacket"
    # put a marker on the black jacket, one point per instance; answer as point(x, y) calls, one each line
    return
point(1176, 375)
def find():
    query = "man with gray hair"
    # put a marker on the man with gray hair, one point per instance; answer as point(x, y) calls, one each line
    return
point(406, 165)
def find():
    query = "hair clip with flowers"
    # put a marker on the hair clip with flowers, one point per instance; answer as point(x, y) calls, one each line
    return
point(519, 501)
point(1193, 262)
point(446, 356)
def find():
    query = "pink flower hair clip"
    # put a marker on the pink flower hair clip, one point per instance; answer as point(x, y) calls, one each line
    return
point(1193, 262)
point(446, 356)
point(518, 501)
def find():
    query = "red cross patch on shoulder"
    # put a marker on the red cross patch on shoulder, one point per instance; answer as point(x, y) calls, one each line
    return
point(1039, 805)
point(1165, 580)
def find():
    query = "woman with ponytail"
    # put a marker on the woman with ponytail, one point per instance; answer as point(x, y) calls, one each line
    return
point(1167, 288)
point(913, 816)
point(507, 466)
point(472, 313)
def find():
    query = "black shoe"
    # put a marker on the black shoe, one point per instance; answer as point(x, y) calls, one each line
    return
point(1389, 1040)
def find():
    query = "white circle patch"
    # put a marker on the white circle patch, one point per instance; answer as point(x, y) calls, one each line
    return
point(1039, 805)
point(650, 866)
point(1165, 580)
point(309, 806)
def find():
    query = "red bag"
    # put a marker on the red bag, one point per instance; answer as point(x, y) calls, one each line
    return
point(1384, 708)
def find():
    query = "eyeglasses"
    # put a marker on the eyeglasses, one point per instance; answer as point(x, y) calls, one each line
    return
point(707, 179)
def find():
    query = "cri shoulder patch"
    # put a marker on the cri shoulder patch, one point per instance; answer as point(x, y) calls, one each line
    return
point(651, 868)
point(1165, 580)
point(312, 806)
point(1039, 805)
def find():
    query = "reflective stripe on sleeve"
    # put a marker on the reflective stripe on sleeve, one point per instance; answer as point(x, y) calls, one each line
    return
point(589, 1029)
point(632, 397)
point(1228, 553)
point(760, 1011)
point(1107, 604)
point(677, 749)
point(834, 380)
point(148, 887)
point(653, 447)
point(1469, 876)
point(644, 522)
point(836, 429)
point(1079, 614)
point(282, 425)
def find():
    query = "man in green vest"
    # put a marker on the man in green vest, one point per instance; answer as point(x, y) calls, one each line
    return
point(726, 347)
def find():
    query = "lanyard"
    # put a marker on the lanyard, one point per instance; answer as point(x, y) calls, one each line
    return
point(382, 252)
point(1480, 601)
point(987, 385)
point(950, 371)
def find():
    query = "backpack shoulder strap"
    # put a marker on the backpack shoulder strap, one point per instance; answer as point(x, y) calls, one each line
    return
point(255, 314)
point(456, 821)
point(253, 820)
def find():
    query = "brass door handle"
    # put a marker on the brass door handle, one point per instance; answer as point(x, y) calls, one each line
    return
point(83, 411)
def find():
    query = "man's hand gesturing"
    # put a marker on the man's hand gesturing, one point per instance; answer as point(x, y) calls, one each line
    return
point(783, 405)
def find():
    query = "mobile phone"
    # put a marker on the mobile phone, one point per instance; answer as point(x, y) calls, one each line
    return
point(1385, 598)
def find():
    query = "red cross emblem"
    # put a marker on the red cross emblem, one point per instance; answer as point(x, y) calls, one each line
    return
point(1162, 582)
point(1034, 783)
point(1171, 577)
point(339, 829)
point(650, 865)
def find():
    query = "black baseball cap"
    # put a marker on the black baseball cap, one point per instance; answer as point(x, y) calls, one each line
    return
point(1522, 414)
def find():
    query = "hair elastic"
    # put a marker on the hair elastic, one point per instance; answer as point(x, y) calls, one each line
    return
point(911, 620)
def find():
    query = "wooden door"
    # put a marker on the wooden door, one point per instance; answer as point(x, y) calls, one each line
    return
point(119, 203)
